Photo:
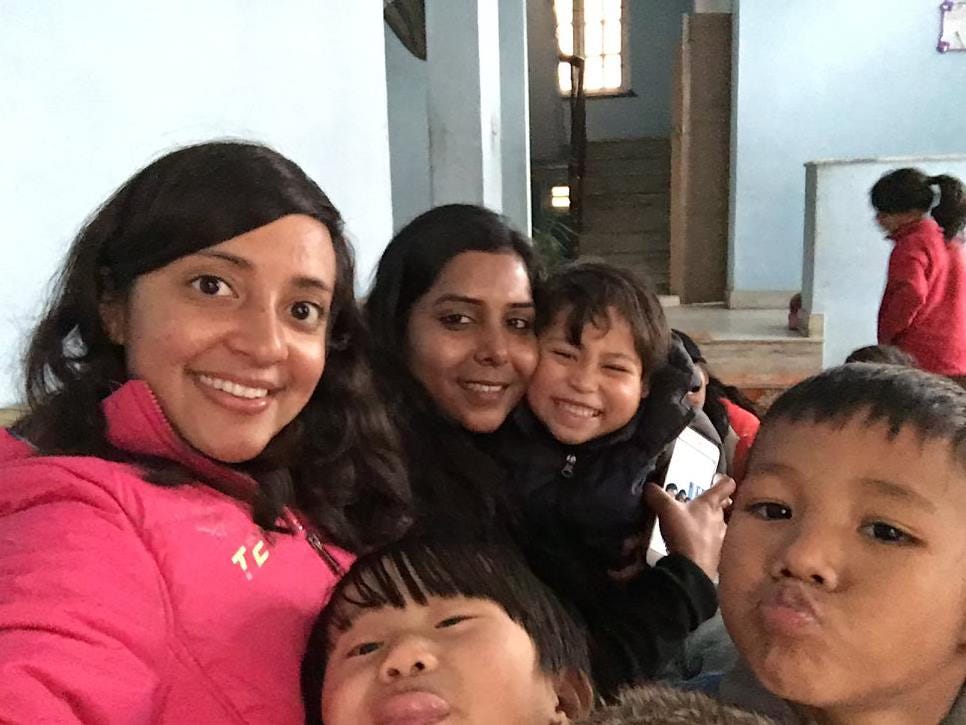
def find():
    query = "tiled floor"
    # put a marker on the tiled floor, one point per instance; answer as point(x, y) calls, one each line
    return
point(753, 349)
point(717, 322)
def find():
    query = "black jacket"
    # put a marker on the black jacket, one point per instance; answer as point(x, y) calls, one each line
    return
point(576, 506)
point(592, 492)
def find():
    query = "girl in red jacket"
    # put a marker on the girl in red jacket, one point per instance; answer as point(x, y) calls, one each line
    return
point(923, 310)
point(201, 455)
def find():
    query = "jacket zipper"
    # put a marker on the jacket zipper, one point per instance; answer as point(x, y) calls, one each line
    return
point(568, 470)
point(315, 541)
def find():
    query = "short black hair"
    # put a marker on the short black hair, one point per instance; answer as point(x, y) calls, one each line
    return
point(881, 354)
point(934, 406)
point(415, 569)
point(587, 288)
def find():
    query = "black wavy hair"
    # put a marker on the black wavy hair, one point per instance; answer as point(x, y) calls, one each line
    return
point(338, 461)
point(410, 265)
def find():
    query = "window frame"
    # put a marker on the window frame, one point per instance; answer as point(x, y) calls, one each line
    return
point(578, 42)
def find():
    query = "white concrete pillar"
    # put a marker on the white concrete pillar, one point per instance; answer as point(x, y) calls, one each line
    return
point(463, 48)
point(515, 110)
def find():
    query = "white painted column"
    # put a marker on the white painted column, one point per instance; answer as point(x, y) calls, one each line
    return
point(515, 110)
point(463, 47)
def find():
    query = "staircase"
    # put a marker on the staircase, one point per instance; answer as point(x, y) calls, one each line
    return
point(751, 349)
point(627, 208)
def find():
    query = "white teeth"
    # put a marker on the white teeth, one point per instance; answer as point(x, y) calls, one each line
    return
point(227, 386)
point(581, 411)
point(483, 388)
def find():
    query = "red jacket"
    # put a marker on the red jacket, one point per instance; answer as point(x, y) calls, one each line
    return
point(126, 602)
point(745, 425)
point(923, 308)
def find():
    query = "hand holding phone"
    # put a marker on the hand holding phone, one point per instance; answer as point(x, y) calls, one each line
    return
point(693, 527)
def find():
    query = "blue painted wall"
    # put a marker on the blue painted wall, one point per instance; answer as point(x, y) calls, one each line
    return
point(654, 37)
point(846, 254)
point(407, 86)
point(821, 79)
point(92, 91)
point(655, 34)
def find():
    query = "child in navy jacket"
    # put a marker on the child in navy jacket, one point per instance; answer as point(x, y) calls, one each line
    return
point(607, 400)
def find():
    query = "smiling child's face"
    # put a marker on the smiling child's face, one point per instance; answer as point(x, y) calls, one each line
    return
point(454, 661)
point(843, 573)
point(581, 392)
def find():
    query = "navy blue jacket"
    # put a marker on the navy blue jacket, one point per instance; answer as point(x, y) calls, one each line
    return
point(576, 506)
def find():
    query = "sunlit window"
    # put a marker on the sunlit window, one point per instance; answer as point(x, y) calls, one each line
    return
point(560, 197)
point(594, 30)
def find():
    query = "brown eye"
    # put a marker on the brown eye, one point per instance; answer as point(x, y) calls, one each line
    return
point(211, 286)
point(306, 312)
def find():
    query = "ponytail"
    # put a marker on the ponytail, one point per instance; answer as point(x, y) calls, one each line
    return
point(950, 212)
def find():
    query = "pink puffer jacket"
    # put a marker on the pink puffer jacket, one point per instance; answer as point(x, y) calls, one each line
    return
point(126, 602)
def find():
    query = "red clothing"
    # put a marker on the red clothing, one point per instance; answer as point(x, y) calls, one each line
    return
point(745, 425)
point(923, 309)
point(126, 602)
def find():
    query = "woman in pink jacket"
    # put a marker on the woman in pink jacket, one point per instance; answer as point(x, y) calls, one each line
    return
point(201, 455)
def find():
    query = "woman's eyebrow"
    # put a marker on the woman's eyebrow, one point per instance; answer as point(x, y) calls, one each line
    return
point(302, 281)
point(458, 298)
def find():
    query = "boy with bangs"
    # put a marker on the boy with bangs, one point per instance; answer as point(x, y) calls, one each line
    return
point(843, 574)
point(603, 408)
point(462, 634)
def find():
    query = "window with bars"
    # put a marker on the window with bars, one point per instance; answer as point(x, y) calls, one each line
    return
point(595, 30)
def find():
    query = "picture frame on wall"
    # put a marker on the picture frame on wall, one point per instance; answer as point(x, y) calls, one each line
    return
point(952, 31)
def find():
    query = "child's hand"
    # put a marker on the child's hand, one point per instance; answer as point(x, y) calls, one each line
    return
point(694, 529)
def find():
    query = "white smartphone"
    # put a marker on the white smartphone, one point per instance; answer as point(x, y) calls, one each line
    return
point(690, 472)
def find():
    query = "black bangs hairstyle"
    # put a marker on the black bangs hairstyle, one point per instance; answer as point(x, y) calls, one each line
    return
point(339, 460)
point(411, 264)
point(586, 289)
point(414, 570)
point(894, 395)
point(907, 189)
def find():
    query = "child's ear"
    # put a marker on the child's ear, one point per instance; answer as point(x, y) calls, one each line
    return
point(575, 695)
point(645, 387)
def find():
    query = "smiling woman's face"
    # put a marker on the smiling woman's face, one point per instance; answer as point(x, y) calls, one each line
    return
point(231, 339)
point(470, 341)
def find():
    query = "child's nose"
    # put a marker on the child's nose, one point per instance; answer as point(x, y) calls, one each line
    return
point(810, 556)
point(408, 658)
point(583, 378)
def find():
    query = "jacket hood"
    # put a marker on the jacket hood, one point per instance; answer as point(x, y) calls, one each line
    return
point(656, 705)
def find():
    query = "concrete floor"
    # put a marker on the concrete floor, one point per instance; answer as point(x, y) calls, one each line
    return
point(717, 322)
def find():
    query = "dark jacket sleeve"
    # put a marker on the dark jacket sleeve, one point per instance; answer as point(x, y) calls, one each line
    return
point(636, 630)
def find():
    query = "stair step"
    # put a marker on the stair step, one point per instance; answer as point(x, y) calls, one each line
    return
point(627, 184)
point(624, 243)
point(627, 219)
point(616, 201)
point(623, 167)
point(653, 270)
point(752, 349)
point(625, 149)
